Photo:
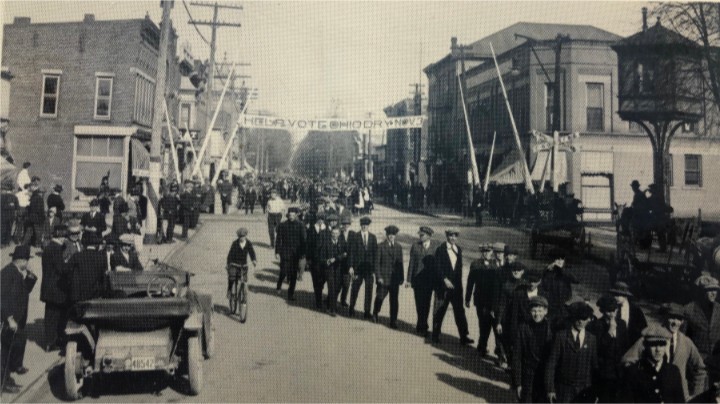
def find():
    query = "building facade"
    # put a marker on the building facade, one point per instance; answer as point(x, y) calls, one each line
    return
point(83, 100)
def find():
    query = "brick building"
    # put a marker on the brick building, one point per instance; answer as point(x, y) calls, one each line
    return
point(82, 100)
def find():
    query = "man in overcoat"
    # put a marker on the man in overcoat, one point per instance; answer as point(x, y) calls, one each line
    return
point(290, 247)
point(420, 275)
point(531, 348)
point(482, 287)
point(52, 290)
point(612, 339)
point(703, 316)
point(363, 250)
point(388, 274)
point(333, 256)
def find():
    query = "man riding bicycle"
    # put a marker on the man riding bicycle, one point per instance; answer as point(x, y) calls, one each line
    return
point(237, 266)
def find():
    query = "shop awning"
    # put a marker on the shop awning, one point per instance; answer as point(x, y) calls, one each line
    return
point(510, 171)
point(140, 159)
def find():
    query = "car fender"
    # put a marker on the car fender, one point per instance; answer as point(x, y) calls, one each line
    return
point(194, 322)
point(75, 329)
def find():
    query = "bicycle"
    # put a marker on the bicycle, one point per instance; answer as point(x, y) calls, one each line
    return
point(238, 293)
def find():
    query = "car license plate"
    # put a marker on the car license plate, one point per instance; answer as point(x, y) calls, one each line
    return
point(143, 363)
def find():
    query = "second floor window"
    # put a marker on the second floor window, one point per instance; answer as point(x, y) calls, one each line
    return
point(595, 107)
point(693, 170)
point(144, 97)
point(50, 95)
point(103, 97)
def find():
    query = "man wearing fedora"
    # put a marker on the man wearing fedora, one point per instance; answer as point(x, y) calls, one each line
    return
point(448, 287)
point(703, 316)
point(363, 250)
point(290, 247)
point(420, 276)
point(52, 291)
point(652, 379)
point(573, 359)
point(631, 314)
point(93, 221)
point(612, 342)
point(16, 283)
point(55, 200)
point(681, 352)
point(9, 206)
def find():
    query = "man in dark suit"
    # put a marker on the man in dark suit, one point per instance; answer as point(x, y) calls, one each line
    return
point(702, 316)
point(573, 359)
point(420, 275)
point(124, 255)
point(54, 199)
point(652, 379)
point(388, 274)
point(290, 247)
point(531, 348)
point(346, 234)
point(86, 270)
point(312, 254)
point(612, 339)
point(52, 291)
point(93, 221)
point(448, 287)
point(16, 283)
point(333, 256)
point(363, 250)
point(169, 208)
point(188, 205)
point(483, 286)
point(36, 216)
point(557, 287)
point(631, 314)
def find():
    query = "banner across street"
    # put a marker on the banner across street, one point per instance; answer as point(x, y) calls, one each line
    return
point(330, 124)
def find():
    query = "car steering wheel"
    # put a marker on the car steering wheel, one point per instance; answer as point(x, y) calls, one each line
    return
point(166, 284)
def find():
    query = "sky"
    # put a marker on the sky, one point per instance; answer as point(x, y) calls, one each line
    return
point(311, 59)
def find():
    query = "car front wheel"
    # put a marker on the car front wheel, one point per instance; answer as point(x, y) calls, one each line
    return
point(73, 376)
point(195, 370)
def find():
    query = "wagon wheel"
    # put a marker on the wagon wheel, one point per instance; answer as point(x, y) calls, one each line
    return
point(195, 366)
point(73, 375)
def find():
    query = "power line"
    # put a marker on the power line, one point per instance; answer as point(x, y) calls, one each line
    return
point(192, 21)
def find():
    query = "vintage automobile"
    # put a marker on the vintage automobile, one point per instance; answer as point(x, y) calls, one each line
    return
point(147, 321)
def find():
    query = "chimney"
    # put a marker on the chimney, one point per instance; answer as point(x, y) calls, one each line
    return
point(453, 43)
point(89, 18)
point(21, 21)
point(644, 14)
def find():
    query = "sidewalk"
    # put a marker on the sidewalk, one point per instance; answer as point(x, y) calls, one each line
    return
point(37, 360)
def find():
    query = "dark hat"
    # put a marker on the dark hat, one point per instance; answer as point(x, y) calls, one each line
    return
point(427, 230)
point(364, 221)
point(607, 303)
point(26, 164)
point(580, 311)
point(655, 334)
point(319, 217)
point(498, 247)
point(452, 232)
point(707, 283)
point(35, 178)
point(123, 208)
point(509, 250)
point(538, 301)
point(635, 184)
point(621, 289)
point(60, 230)
point(22, 252)
point(58, 188)
point(557, 253)
point(293, 210)
point(242, 232)
point(516, 266)
point(332, 217)
point(485, 247)
point(346, 220)
point(94, 202)
point(672, 310)
point(391, 230)
point(91, 238)
point(533, 276)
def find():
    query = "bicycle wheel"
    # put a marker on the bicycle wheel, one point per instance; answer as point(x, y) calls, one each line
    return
point(234, 298)
point(242, 298)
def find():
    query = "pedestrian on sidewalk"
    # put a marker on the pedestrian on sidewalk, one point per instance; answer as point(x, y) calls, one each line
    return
point(388, 274)
point(363, 250)
point(448, 287)
point(53, 291)
point(55, 200)
point(93, 221)
point(421, 270)
point(511, 277)
point(290, 247)
point(36, 216)
point(188, 205)
point(169, 208)
point(23, 197)
point(16, 283)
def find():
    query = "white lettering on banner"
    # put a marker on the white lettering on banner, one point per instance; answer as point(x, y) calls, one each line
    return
point(268, 122)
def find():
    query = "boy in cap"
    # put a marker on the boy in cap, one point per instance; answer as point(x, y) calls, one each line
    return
point(483, 286)
point(531, 348)
point(631, 314)
point(448, 287)
point(363, 251)
point(16, 283)
point(420, 276)
point(681, 352)
point(652, 379)
point(517, 312)
point(703, 315)
point(388, 274)
point(573, 359)
point(612, 340)
point(236, 263)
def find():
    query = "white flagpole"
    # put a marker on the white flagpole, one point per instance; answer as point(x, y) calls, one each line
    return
point(172, 143)
point(526, 170)
point(199, 158)
point(544, 173)
point(229, 144)
point(487, 174)
point(471, 151)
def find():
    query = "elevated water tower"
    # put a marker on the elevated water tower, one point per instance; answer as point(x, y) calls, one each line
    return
point(660, 87)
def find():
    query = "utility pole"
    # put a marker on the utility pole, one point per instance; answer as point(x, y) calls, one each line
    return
point(417, 132)
point(214, 24)
point(156, 144)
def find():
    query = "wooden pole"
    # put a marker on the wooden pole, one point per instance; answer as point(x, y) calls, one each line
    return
point(471, 148)
point(173, 152)
point(489, 166)
point(225, 154)
point(526, 170)
point(544, 173)
point(199, 158)
point(556, 144)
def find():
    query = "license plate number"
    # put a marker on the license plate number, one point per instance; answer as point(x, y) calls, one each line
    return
point(144, 363)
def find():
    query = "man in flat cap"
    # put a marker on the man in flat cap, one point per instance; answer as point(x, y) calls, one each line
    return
point(682, 352)
point(511, 277)
point(703, 315)
point(573, 359)
point(16, 283)
point(236, 263)
point(518, 311)
point(612, 339)
point(388, 274)
point(531, 348)
point(290, 247)
point(483, 287)
point(420, 275)
point(448, 287)
point(363, 251)
point(652, 379)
